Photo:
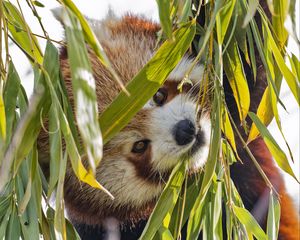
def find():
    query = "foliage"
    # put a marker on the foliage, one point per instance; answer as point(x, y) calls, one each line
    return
point(230, 31)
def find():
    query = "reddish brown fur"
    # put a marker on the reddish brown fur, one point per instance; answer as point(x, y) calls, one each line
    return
point(249, 182)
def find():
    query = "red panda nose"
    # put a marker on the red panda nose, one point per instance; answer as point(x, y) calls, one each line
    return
point(184, 132)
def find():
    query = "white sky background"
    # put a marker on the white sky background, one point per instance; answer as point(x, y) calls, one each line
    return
point(98, 9)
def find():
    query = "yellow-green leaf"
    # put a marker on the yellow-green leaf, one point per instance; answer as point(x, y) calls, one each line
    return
point(250, 223)
point(272, 145)
point(227, 128)
point(235, 73)
point(21, 33)
point(165, 17)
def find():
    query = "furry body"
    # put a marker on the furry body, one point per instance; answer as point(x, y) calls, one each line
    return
point(136, 180)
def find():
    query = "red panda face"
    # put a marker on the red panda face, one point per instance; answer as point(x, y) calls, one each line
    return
point(137, 162)
point(165, 131)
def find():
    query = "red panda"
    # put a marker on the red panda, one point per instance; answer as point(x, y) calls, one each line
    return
point(138, 160)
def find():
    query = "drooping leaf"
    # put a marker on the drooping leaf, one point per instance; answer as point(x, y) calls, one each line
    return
point(84, 91)
point(164, 10)
point(250, 223)
point(272, 145)
point(21, 33)
point(273, 217)
point(236, 76)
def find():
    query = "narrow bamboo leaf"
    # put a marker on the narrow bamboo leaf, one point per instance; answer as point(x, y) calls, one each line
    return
point(13, 230)
point(164, 233)
point(235, 73)
point(28, 207)
point(217, 211)
point(264, 113)
point(11, 90)
point(92, 40)
point(4, 204)
point(146, 82)
point(250, 223)
point(38, 4)
point(21, 32)
point(71, 232)
point(273, 217)
point(4, 222)
point(240, 33)
point(223, 18)
point(292, 13)
point(278, 19)
point(252, 53)
point(227, 128)
point(2, 118)
point(194, 222)
point(290, 78)
point(192, 192)
point(30, 225)
point(295, 63)
point(166, 202)
point(84, 91)
point(184, 10)
point(59, 217)
point(253, 4)
point(272, 145)
point(23, 139)
point(55, 149)
point(165, 17)
point(29, 126)
point(71, 147)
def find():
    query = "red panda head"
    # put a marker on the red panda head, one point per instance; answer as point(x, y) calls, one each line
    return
point(169, 128)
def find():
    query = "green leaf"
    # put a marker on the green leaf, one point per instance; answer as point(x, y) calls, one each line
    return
point(23, 38)
point(38, 4)
point(84, 92)
point(227, 129)
point(144, 85)
point(71, 146)
point(166, 202)
point(272, 145)
point(11, 90)
point(235, 73)
point(2, 118)
point(13, 231)
point(223, 19)
point(92, 40)
point(273, 217)
point(165, 16)
point(253, 4)
point(250, 223)
point(290, 78)
point(59, 217)
point(194, 222)
point(278, 18)
point(55, 143)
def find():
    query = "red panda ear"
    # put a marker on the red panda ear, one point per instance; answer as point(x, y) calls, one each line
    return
point(58, 14)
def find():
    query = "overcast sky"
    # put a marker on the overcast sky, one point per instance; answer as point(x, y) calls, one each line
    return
point(99, 8)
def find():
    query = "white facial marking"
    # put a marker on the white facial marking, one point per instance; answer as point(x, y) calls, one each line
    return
point(165, 151)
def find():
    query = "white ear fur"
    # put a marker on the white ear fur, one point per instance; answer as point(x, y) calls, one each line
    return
point(182, 67)
point(58, 14)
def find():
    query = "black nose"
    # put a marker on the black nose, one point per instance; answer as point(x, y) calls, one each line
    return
point(184, 132)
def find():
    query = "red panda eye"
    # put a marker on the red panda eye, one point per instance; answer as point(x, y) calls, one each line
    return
point(140, 146)
point(160, 96)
